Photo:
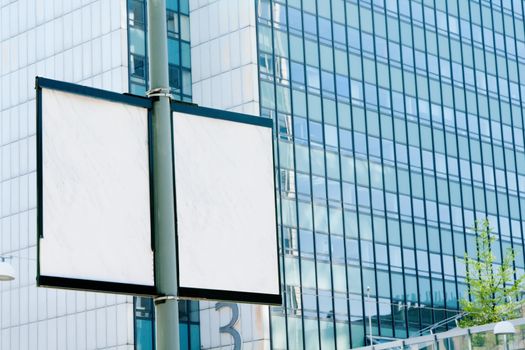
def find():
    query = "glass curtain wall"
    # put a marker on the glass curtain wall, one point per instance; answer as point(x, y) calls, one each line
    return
point(178, 33)
point(398, 123)
point(178, 25)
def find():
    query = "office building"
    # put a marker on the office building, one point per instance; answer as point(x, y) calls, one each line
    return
point(397, 124)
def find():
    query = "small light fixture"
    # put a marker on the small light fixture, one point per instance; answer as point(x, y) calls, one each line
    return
point(7, 272)
point(504, 328)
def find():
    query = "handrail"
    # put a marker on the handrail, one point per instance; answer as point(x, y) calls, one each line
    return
point(430, 328)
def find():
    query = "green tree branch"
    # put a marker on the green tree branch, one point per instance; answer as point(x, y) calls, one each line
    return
point(493, 293)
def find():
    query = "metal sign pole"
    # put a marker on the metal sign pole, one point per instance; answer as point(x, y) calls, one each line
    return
point(166, 306)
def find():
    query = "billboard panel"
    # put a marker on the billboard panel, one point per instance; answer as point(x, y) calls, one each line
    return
point(94, 208)
point(225, 206)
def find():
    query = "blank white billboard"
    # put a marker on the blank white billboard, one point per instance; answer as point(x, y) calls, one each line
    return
point(225, 206)
point(94, 191)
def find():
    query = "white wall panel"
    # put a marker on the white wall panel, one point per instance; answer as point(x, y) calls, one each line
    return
point(45, 38)
point(223, 39)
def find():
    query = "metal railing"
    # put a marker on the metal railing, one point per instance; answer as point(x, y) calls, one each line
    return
point(473, 338)
point(430, 329)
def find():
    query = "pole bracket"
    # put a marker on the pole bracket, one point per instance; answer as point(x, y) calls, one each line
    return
point(164, 298)
point(159, 92)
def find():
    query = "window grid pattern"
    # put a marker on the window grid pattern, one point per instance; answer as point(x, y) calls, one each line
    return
point(144, 321)
point(178, 27)
point(75, 42)
point(397, 125)
point(178, 33)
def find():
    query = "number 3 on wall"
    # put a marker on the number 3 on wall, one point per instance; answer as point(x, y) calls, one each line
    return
point(229, 327)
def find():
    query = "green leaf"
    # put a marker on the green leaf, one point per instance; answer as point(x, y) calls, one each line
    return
point(493, 294)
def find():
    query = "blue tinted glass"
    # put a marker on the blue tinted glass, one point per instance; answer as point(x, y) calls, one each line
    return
point(144, 334)
point(310, 23)
point(432, 138)
point(316, 132)
point(342, 86)
point(294, 18)
point(345, 139)
point(328, 81)
point(297, 72)
point(195, 337)
point(353, 38)
point(183, 335)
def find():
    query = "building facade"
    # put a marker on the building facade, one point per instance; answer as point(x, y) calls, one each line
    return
point(397, 124)
point(78, 41)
